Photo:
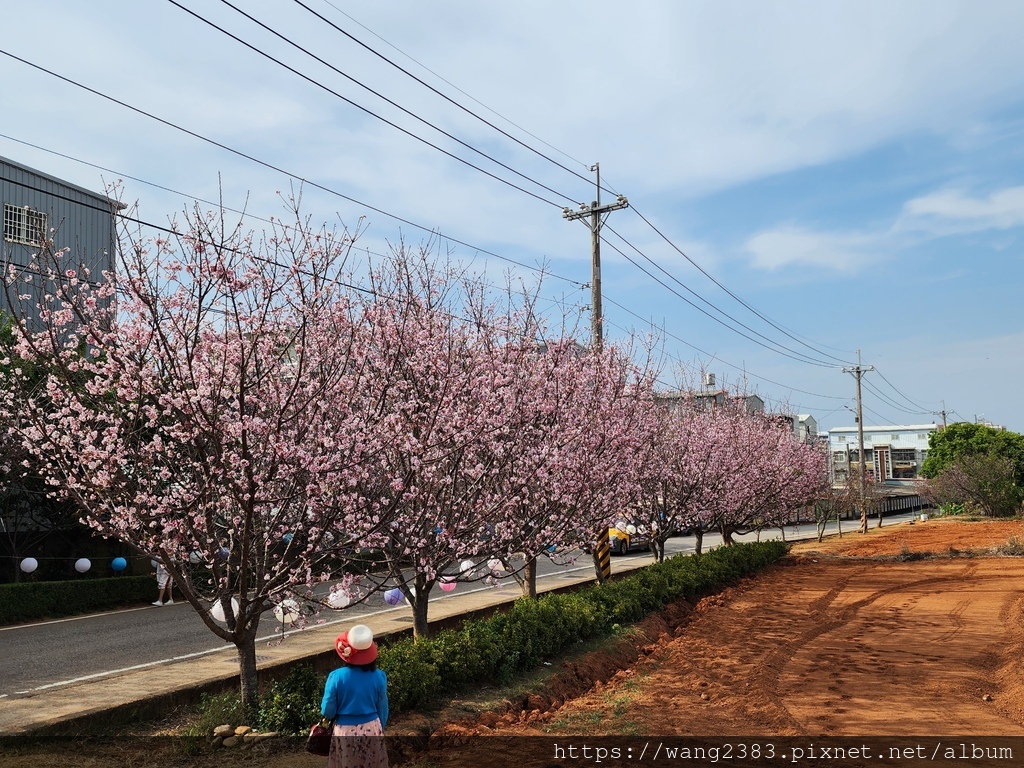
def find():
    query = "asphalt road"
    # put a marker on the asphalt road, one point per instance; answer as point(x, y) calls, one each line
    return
point(49, 654)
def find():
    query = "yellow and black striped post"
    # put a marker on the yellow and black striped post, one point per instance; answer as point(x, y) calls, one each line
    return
point(603, 557)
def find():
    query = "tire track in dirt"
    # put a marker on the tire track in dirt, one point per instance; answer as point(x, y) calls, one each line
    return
point(822, 621)
point(917, 650)
point(808, 647)
point(827, 644)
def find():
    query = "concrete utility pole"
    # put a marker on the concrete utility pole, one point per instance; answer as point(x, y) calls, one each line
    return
point(594, 212)
point(859, 371)
point(597, 214)
point(941, 413)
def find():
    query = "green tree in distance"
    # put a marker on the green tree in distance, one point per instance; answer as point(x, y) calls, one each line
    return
point(978, 464)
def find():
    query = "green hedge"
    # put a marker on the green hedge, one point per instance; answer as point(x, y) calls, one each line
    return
point(30, 601)
point(497, 649)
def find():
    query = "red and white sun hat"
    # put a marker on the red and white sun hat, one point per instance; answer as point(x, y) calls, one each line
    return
point(356, 646)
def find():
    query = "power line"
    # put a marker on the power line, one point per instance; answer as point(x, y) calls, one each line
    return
point(119, 174)
point(729, 292)
point(719, 359)
point(914, 404)
point(115, 212)
point(370, 112)
point(443, 95)
point(801, 356)
point(890, 402)
point(277, 169)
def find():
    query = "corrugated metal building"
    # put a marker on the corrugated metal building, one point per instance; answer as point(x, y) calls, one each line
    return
point(37, 205)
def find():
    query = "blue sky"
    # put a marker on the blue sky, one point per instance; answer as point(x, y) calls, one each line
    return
point(851, 171)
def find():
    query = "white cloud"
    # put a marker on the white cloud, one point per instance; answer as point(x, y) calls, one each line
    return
point(953, 211)
point(792, 246)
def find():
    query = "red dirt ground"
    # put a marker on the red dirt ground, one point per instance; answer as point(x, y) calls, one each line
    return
point(914, 628)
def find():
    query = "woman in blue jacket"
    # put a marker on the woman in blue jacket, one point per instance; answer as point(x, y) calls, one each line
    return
point(356, 699)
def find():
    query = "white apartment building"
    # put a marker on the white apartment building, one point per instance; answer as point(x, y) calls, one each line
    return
point(893, 454)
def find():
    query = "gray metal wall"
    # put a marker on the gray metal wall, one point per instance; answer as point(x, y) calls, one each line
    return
point(82, 219)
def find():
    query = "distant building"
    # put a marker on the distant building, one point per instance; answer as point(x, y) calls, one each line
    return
point(37, 206)
point(892, 453)
point(803, 426)
point(709, 398)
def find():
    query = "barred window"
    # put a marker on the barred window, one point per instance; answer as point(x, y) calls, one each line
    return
point(23, 225)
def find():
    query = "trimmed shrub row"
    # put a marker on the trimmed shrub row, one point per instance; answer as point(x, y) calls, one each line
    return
point(30, 601)
point(497, 649)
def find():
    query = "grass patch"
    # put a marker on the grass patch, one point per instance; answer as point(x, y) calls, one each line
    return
point(906, 555)
point(1012, 548)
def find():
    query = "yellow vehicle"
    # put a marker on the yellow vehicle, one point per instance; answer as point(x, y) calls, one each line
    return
point(625, 537)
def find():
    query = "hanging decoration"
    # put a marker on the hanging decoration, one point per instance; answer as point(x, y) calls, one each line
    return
point(83, 564)
point(287, 611)
point(118, 564)
point(217, 610)
point(339, 600)
point(29, 564)
point(393, 596)
point(447, 584)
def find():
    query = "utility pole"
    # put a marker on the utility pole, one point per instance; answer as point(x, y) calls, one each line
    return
point(941, 413)
point(597, 214)
point(857, 372)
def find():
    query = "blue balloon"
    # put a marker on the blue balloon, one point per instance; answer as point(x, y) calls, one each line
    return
point(393, 596)
point(119, 564)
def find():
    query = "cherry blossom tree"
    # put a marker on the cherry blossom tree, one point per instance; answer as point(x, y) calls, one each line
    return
point(450, 409)
point(604, 470)
point(225, 422)
point(761, 473)
point(584, 441)
point(676, 471)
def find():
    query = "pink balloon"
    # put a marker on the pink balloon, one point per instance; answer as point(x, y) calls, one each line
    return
point(447, 586)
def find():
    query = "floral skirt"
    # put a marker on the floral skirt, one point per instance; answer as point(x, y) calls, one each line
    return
point(358, 746)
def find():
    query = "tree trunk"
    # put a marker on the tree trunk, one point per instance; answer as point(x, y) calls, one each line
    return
point(658, 547)
point(248, 681)
point(530, 579)
point(698, 541)
point(420, 628)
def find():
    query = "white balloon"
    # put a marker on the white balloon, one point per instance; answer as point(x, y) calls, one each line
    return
point(83, 564)
point(287, 611)
point(195, 558)
point(467, 565)
point(217, 610)
point(29, 564)
point(339, 600)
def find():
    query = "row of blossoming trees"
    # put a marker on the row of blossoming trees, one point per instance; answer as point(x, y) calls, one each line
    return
point(237, 408)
